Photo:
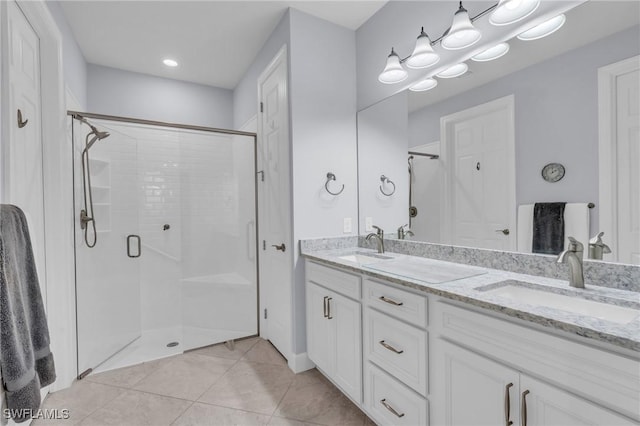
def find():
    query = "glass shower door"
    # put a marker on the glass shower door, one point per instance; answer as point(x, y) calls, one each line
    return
point(107, 274)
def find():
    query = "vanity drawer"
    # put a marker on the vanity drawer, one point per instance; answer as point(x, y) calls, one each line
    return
point(398, 348)
point(399, 303)
point(389, 402)
point(338, 281)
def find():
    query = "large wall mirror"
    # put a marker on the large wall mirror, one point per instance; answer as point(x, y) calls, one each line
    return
point(553, 121)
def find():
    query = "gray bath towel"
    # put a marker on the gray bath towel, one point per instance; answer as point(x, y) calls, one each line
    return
point(26, 362)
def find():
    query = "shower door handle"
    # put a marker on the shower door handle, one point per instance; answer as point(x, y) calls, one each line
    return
point(129, 238)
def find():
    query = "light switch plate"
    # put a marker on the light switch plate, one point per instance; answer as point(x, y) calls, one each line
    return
point(368, 224)
point(347, 225)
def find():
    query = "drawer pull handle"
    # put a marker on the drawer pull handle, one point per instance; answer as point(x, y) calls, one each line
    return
point(390, 408)
point(325, 306)
point(329, 308)
point(507, 405)
point(390, 301)
point(391, 348)
point(523, 408)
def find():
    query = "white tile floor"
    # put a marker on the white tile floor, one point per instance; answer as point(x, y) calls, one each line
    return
point(251, 385)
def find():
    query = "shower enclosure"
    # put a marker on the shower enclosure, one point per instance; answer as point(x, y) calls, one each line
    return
point(173, 264)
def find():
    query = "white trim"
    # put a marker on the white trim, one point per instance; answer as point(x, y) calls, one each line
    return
point(607, 148)
point(300, 362)
point(57, 195)
point(446, 152)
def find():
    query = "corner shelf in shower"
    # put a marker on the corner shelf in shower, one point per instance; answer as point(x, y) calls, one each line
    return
point(101, 187)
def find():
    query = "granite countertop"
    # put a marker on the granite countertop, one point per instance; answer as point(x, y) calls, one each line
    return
point(476, 290)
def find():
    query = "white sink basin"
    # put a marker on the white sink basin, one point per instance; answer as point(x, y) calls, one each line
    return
point(575, 304)
point(364, 258)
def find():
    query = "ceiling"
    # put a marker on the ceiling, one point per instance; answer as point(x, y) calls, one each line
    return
point(584, 25)
point(214, 42)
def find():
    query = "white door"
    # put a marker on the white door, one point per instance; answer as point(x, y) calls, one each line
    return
point(24, 168)
point(628, 166)
point(475, 390)
point(347, 327)
point(320, 346)
point(479, 161)
point(276, 256)
point(549, 406)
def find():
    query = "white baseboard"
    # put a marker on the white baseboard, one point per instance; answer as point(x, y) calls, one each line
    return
point(300, 362)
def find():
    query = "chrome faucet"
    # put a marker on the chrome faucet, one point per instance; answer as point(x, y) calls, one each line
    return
point(379, 236)
point(404, 231)
point(597, 248)
point(573, 256)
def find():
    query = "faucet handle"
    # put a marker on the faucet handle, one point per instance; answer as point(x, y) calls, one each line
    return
point(379, 231)
point(575, 245)
point(597, 242)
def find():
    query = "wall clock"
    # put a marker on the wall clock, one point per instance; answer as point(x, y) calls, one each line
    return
point(553, 172)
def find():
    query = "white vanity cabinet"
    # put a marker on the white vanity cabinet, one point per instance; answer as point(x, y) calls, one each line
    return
point(479, 391)
point(395, 348)
point(334, 327)
point(484, 370)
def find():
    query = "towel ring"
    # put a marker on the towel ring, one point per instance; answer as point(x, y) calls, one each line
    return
point(330, 177)
point(384, 180)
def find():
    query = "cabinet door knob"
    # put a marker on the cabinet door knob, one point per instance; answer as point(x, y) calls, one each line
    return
point(507, 405)
point(390, 408)
point(523, 408)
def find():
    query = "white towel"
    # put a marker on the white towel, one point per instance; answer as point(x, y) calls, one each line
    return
point(576, 225)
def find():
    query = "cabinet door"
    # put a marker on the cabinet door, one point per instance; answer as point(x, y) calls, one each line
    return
point(345, 317)
point(477, 391)
point(320, 338)
point(546, 405)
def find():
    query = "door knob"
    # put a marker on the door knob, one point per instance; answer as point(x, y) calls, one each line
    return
point(504, 231)
point(280, 247)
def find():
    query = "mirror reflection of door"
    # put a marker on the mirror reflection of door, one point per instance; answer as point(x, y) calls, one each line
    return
point(426, 181)
point(619, 103)
point(479, 176)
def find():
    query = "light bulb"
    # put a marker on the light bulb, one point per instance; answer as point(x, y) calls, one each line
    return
point(462, 32)
point(543, 29)
point(423, 55)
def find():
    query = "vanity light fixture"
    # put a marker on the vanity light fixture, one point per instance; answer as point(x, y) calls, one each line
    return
point(423, 55)
point(544, 29)
point(462, 32)
point(511, 11)
point(424, 85)
point(454, 71)
point(170, 62)
point(393, 71)
point(495, 52)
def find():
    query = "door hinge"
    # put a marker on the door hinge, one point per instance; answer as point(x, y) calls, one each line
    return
point(265, 313)
point(261, 107)
point(264, 244)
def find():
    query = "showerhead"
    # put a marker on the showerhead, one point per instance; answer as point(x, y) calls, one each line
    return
point(101, 135)
point(97, 135)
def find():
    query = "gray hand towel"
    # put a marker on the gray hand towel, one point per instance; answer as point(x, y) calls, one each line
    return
point(548, 228)
point(25, 359)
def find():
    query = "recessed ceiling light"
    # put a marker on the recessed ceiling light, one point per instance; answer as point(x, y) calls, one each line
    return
point(544, 29)
point(492, 53)
point(454, 71)
point(170, 63)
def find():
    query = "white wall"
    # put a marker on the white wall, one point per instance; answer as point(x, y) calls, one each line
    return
point(382, 150)
point(323, 133)
point(116, 92)
point(73, 62)
point(556, 113)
